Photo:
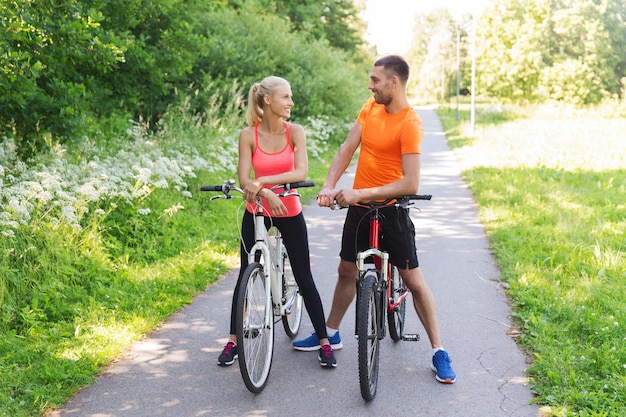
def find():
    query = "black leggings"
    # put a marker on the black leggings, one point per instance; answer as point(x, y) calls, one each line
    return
point(296, 240)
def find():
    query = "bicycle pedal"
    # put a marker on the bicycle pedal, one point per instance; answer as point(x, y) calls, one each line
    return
point(411, 337)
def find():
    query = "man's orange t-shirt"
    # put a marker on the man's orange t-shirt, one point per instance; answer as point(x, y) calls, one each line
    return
point(384, 139)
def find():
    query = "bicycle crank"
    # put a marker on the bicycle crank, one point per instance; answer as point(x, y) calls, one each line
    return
point(411, 337)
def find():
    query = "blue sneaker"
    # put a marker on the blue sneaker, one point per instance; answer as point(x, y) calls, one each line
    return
point(312, 343)
point(442, 368)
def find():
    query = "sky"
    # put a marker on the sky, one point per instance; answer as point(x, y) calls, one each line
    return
point(390, 22)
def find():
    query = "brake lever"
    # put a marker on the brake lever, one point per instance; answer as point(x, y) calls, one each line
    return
point(226, 196)
point(288, 193)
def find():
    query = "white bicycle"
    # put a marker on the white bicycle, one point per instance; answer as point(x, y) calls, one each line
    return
point(267, 290)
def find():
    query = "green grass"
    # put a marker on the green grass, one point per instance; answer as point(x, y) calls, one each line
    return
point(551, 187)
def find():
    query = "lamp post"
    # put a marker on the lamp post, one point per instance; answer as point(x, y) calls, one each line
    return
point(443, 77)
point(458, 68)
point(473, 98)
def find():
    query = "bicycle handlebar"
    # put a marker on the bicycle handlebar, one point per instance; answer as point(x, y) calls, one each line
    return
point(402, 201)
point(211, 188)
point(298, 184)
point(229, 185)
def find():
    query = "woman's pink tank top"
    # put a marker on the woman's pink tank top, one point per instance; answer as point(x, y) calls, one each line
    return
point(266, 164)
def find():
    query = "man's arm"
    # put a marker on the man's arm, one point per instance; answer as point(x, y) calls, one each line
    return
point(340, 163)
point(408, 184)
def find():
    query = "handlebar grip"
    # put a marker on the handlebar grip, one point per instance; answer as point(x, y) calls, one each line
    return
point(211, 188)
point(302, 184)
point(420, 197)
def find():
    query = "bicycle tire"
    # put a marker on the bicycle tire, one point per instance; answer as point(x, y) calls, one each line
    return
point(368, 333)
point(292, 299)
point(255, 332)
point(395, 318)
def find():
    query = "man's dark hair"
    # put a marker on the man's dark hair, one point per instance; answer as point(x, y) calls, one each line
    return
point(396, 65)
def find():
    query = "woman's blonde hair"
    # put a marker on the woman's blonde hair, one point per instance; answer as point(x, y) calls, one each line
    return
point(258, 91)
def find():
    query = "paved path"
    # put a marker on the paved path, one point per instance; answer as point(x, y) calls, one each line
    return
point(174, 373)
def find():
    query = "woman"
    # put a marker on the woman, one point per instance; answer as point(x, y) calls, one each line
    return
point(276, 151)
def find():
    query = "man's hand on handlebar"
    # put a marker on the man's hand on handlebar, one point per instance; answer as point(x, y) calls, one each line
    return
point(326, 197)
point(348, 196)
point(335, 199)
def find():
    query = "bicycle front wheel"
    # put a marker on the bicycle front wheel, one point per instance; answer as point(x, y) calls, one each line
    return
point(255, 328)
point(395, 317)
point(292, 299)
point(368, 333)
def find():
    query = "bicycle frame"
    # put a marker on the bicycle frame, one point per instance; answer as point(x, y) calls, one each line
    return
point(272, 253)
point(375, 314)
point(381, 261)
point(266, 289)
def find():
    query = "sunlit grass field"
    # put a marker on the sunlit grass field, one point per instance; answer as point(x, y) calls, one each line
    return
point(551, 187)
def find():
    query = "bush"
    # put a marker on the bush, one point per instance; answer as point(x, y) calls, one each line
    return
point(252, 46)
point(67, 67)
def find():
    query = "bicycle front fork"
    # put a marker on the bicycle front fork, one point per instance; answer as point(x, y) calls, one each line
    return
point(379, 303)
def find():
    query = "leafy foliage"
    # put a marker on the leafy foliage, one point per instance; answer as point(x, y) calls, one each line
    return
point(528, 50)
point(69, 67)
point(335, 21)
point(253, 46)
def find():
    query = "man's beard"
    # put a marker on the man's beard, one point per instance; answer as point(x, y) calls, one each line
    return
point(380, 99)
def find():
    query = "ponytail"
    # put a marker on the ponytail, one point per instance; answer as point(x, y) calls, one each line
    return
point(256, 95)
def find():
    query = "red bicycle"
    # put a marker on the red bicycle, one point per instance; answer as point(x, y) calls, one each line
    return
point(380, 292)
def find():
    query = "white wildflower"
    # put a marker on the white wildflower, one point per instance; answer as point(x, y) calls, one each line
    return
point(68, 213)
point(162, 183)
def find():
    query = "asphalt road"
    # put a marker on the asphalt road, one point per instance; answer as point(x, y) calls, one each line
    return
point(174, 372)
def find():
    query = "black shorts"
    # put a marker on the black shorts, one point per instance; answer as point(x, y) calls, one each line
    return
point(397, 237)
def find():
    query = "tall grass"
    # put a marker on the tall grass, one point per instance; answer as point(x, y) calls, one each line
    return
point(103, 241)
point(551, 186)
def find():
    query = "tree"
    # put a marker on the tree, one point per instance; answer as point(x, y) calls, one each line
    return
point(52, 55)
point(65, 66)
point(432, 56)
point(569, 50)
point(337, 21)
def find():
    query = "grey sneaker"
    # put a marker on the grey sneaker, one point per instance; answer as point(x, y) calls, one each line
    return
point(327, 357)
point(228, 355)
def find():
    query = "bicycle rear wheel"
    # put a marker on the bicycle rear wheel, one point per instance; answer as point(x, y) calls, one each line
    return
point(292, 299)
point(255, 328)
point(395, 318)
point(368, 333)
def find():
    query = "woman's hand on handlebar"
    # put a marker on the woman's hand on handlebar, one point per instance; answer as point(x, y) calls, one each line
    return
point(255, 188)
point(251, 190)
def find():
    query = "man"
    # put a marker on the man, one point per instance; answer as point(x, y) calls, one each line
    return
point(389, 133)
